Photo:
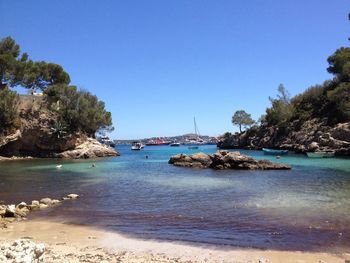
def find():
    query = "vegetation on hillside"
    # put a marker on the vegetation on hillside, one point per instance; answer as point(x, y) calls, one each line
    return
point(329, 102)
point(78, 110)
point(9, 115)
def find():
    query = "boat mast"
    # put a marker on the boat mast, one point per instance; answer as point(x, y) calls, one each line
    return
point(196, 131)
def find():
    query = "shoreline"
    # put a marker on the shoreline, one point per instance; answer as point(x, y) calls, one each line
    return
point(79, 241)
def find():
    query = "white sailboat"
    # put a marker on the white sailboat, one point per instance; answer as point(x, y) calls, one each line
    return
point(193, 142)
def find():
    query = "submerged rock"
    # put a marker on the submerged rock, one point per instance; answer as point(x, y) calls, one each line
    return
point(225, 160)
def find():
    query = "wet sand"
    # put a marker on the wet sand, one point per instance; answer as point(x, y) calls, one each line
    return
point(70, 243)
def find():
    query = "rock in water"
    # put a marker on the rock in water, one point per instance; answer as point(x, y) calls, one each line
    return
point(225, 160)
point(10, 211)
point(46, 201)
point(91, 148)
point(199, 160)
point(2, 210)
point(72, 196)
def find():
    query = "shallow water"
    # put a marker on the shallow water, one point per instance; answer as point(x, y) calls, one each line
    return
point(307, 208)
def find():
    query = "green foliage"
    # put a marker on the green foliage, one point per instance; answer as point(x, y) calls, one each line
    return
point(329, 101)
point(18, 70)
point(339, 103)
point(339, 63)
point(77, 110)
point(40, 75)
point(58, 129)
point(241, 118)
point(11, 65)
point(310, 103)
point(80, 110)
point(9, 115)
point(281, 110)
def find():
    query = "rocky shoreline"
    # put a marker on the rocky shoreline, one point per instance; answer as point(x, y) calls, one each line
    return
point(225, 160)
point(310, 136)
point(11, 212)
point(85, 148)
point(36, 136)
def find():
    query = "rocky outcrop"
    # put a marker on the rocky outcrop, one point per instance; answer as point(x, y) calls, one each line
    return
point(10, 138)
point(225, 160)
point(91, 148)
point(312, 135)
point(35, 137)
point(23, 209)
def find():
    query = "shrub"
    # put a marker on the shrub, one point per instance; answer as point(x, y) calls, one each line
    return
point(9, 114)
point(78, 110)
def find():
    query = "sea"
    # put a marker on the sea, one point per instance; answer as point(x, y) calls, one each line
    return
point(306, 208)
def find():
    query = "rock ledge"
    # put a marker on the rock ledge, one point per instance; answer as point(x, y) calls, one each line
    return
point(91, 148)
point(225, 160)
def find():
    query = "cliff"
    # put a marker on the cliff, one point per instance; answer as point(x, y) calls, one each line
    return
point(311, 135)
point(35, 136)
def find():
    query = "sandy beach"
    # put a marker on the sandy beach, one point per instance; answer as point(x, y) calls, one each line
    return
point(68, 243)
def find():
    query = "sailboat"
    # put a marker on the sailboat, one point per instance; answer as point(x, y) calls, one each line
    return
point(193, 142)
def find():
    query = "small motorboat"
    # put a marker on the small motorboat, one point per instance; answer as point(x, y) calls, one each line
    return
point(174, 144)
point(106, 141)
point(59, 166)
point(274, 152)
point(193, 147)
point(137, 146)
point(325, 154)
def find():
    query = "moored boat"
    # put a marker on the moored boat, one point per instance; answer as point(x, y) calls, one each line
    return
point(174, 144)
point(195, 140)
point(137, 146)
point(193, 147)
point(274, 151)
point(328, 154)
point(106, 141)
point(157, 142)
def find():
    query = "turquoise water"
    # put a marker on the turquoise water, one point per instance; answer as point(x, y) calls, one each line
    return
point(307, 208)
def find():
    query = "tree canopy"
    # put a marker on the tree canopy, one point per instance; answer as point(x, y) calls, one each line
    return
point(339, 63)
point(17, 70)
point(77, 110)
point(329, 101)
point(242, 119)
point(280, 111)
point(9, 115)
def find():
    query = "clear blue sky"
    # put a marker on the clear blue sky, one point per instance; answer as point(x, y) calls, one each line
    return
point(158, 63)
